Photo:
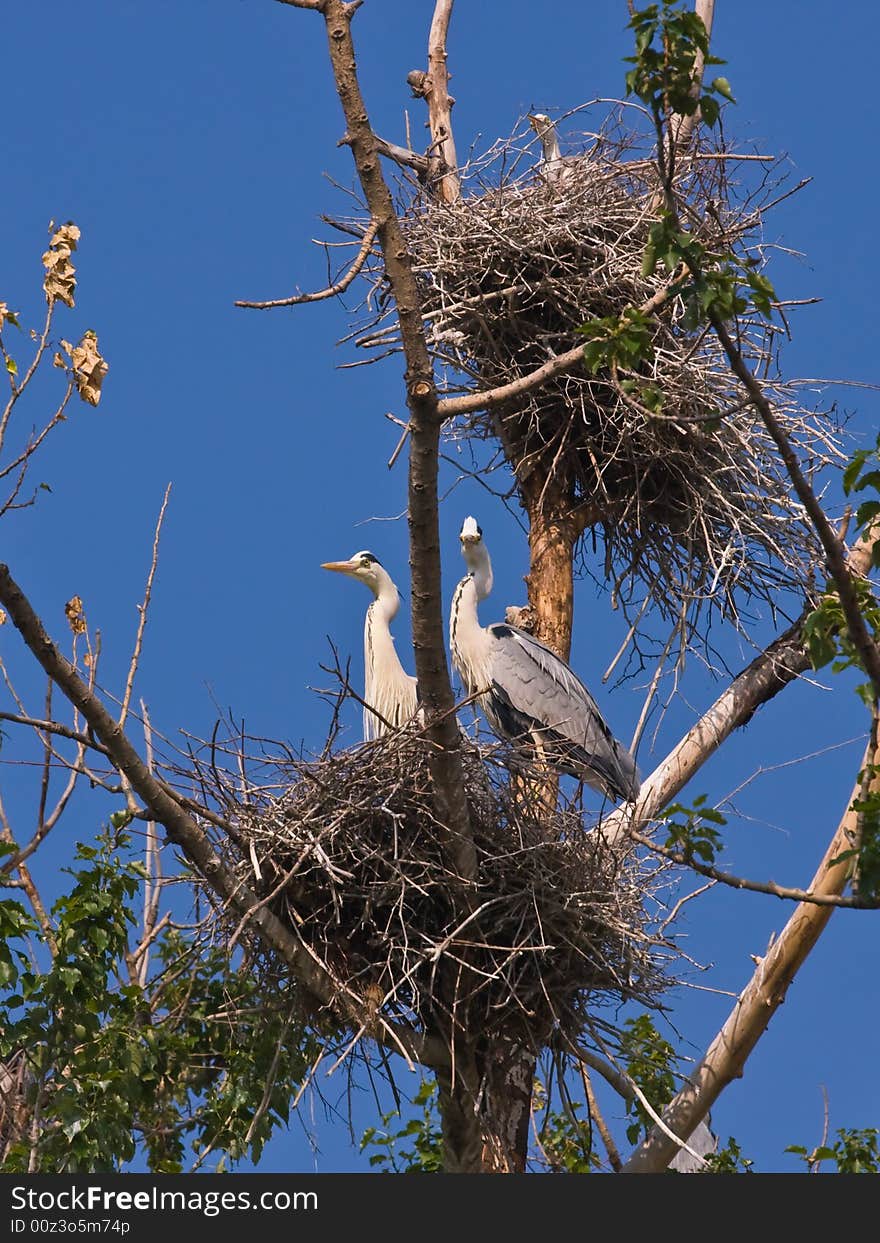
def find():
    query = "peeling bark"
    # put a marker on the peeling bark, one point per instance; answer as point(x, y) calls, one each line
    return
point(509, 1080)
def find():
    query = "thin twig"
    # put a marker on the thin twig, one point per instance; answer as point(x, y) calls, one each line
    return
point(331, 291)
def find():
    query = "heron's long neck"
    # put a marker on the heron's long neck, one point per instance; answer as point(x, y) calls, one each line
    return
point(550, 144)
point(387, 685)
point(380, 654)
point(467, 638)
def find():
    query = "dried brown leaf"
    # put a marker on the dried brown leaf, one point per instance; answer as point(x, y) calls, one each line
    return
point(89, 368)
point(76, 618)
point(2, 618)
point(60, 279)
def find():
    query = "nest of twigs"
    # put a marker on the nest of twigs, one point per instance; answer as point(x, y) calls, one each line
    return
point(691, 501)
point(349, 857)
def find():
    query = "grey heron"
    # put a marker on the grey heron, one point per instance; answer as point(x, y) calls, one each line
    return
point(555, 166)
point(388, 688)
point(527, 693)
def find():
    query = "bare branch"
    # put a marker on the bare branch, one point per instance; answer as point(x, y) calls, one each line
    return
point(771, 671)
point(331, 291)
point(26, 882)
point(759, 1001)
point(834, 548)
point(601, 1125)
point(152, 867)
point(18, 389)
point(54, 727)
point(755, 886)
point(142, 610)
point(35, 441)
point(435, 88)
point(400, 155)
point(784, 660)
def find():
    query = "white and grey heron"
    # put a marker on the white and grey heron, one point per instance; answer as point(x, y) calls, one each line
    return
point(555, 167)
point(388, 688)
point(527, 693)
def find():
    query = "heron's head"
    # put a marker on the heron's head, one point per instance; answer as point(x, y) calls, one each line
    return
point(540, 123)
point(475, 553)
point(363, 566)
point(470, 536)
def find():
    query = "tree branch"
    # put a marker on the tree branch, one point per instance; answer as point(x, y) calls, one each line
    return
point(759, 1001)
point(755, 886)
point(331, 291)
point(400, 155)
point(143, 609)
point(781, 663)
point(778, 665)
point(442, 155)
point(834, 548)
point(425, 423)
point(186, 833)
point(488, 399)
point(683, 126)
point(54, 727)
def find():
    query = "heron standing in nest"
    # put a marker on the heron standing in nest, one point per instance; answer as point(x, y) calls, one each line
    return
point(390, 693)
point(527, 693)
point(555, 167)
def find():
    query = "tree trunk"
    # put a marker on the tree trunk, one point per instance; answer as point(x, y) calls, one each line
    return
point(485, 1109)
point(508, 1069)
point(509, 1076)
point(460, 1125)
point(550, 581)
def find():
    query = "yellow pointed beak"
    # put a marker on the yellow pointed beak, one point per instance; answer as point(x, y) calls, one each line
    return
point(340, 567)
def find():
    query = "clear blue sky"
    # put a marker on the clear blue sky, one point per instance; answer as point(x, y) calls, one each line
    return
point(190, 142)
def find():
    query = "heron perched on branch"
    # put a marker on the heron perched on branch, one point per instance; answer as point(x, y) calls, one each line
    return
point(388, 688)
point(555, 166)
point(526, 692)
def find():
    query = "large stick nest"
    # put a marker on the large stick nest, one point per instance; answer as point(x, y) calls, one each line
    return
point(693, 502)
point(348, 855)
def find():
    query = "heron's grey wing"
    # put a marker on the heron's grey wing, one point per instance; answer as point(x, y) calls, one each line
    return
point(542, 689)
point(702, 1141)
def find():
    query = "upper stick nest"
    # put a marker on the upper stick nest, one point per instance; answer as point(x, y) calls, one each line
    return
point(348, 855)
point(692, 503)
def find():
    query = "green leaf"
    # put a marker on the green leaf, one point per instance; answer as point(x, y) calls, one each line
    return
point(722, 87)
point(854, 468)
point(710, 110)
point(869, 480)
point(866, 511)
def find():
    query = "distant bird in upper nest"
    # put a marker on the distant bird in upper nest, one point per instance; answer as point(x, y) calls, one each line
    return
point(554, 167)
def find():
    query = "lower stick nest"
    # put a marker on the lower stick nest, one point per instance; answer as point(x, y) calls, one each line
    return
point(688, 496)
point(349, 858)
